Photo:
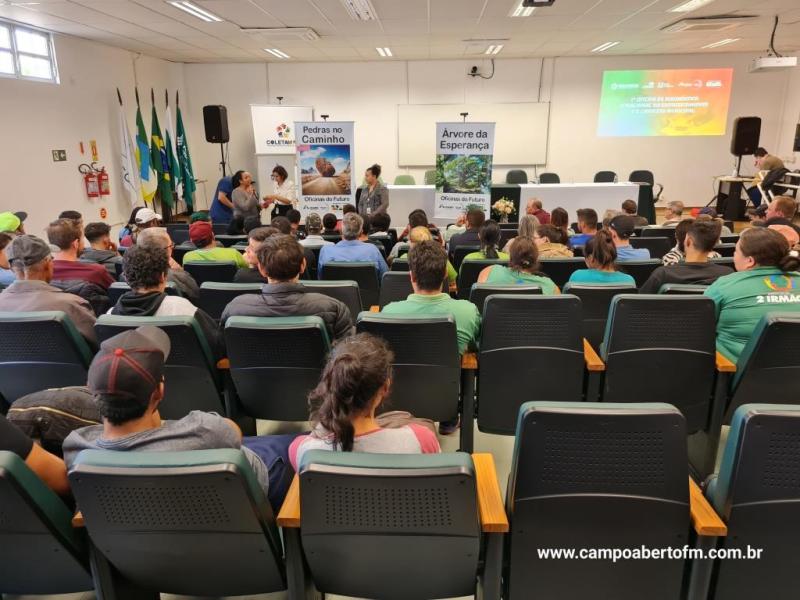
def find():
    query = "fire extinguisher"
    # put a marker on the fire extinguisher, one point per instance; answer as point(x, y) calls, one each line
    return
point(90, 180)
point(102, 180)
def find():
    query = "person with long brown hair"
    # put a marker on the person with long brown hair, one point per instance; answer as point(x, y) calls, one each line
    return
point(600, 254)
point(766, 280)
point(522, 268)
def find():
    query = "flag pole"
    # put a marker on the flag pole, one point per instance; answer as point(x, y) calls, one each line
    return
point(119, 97)
point(136, 91)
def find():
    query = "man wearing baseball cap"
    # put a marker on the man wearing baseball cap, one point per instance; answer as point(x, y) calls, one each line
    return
point(201, 234)
point(32, 264)
point(314, 232)
point(127, 379)
point(621, 229)
point(11, 222)
point(144, 219)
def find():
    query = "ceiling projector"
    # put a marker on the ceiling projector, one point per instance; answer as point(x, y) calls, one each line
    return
point(770, 63)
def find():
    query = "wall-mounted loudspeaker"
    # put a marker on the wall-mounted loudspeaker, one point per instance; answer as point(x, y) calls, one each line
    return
point(746, 132)
point(215, 119)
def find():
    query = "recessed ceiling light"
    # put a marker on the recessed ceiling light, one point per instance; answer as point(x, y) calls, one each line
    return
point(689, 6)
point(494, 49)
point(196, 11)
point(384, 52)
point(360, 10)
point(724, 42)
point(519, 10)
point(604, 47)
point(277, 53)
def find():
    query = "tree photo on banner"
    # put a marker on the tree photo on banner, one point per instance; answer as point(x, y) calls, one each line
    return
point(324, 160)
point(463, 167)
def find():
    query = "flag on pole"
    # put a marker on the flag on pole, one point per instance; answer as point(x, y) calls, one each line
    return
point(169, 146)
point(158, 157)
point(127, 154)
point(184, 160)
point(146, 175)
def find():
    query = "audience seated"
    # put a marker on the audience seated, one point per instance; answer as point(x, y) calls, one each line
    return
point(489, 238)
point(6, 274)
point(522, 269)
point(129, 227)
point(587, 225)
point(419, 218)
point(700, 239)
point(254, 239)
point(201, 234)
point(790, 234)
point(551, 242)
point(127, 379)
point(157, 237)
point(49, 468)
point(143, 219)
point(199, 216)
point(525, 228)
point(251, 223)
point(33, 267)
point(766, 280)
point(294, 217)
point(709, 212)
point(460, 226)
point(672, 215)
point(283, 226)
point(102, 250)
point(423, 234)
point(534, 208)
point(236, 225)
point(347, 208)
point(281, 262)
point(678, 253)
point(560, 218)
point(621, 230)
point(12, 222)
point(379, 226)
point(781, 211)
point(314, 231)
point(351, 249)
point(600, 255)
point(67, 236)
point(330, 224)
point(474, 220)
point(630, 208)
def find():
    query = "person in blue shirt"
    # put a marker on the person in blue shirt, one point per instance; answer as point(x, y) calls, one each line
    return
point(350, 249)
point(600, 254)
point(621, 230)
point(222, 205)
point(587, 225)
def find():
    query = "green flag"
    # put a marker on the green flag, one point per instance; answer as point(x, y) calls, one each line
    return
point(159, 160)
point(185, 163)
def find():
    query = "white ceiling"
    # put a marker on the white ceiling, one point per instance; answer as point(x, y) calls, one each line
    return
point(413, 29)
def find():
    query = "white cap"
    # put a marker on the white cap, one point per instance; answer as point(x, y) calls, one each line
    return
point(146, 215)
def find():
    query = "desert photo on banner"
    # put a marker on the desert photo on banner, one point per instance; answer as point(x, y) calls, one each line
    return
point(325, 170)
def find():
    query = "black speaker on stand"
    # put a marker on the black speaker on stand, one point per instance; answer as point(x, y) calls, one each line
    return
point(215, 120)
point(744, 142)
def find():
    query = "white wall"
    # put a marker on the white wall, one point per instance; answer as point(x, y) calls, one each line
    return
point(38, 117)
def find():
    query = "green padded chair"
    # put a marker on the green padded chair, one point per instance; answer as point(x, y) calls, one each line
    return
point(468, 273)
point(40, 350)
point(40, 552)
point(194, 523)
point(396, 526)
point(682, 288)
point(480, 292)
point(215, 296)
point(430, 177)
point(405, 180)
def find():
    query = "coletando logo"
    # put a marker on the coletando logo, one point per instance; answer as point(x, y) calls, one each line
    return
point(779, 283)
point(283, 130)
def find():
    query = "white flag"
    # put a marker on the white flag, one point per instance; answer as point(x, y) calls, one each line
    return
point(127, 155)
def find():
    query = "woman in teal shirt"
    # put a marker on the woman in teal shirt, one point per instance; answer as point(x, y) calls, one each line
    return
point(600, 255)
point(489, 236)
point(522, 268)
point(766, 280)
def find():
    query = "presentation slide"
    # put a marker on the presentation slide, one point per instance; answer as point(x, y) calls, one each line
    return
point(664, 102)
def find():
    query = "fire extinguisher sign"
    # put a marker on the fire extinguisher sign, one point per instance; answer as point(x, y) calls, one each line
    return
point(103, 213)
point(93, 146)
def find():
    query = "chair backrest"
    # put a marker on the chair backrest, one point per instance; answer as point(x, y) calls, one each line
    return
point(231, 240)
point(662, 347)
point(469, 272)
point(384, 244)
point(516, 176)
point(220, 228)
point(395, 286)
point(400, 264)
point(365, 274)
point(40, 552)
point(531, 348)
point(605, 177)
point(215, 296)
point(549, 178)
point(729, 239)
point(581, 473)
point(479, 292)
point(332, 237)
point(726, 249)
point(275, 362)
point(179, 236)
point(421, 518)
point(179, 251)
point(642, 176)
point(430, 177)
point(427, 365)
point(344, 291)
point(595, 302)
point(192, 380)
point(560, 269)
point(202, 271)
point(658, 246)
point(460, 252)
point(682, 288)
point(404, 180)
point(40, 350)
point(640, 270)
point(194, 523)
point(667, 232)
point(120, 287)
point(725, 260)
point(757, 493)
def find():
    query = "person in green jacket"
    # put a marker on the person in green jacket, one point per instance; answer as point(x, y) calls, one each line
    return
point(522, 269)
point(489, 236)
point(766, 281)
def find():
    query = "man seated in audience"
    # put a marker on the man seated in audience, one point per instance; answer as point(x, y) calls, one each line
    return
point(6, 274)
point(423, 234)
point(127, 379)
point(672, 216)
point(460, 226)
point(630, 208)
point(283, 226)
point(700, 239)
point(145, 219)
point(12, 222)
point(251, 223)
point(314, 232)
point(678, 253)
point(419, 218)
point(351, 249)
point(294, 217)
point(201, 234)
point(534, 208)
point(608, 215)
point(101, 249)
point(281, 262)
point(254, 240)
point(347, 208)
point(72, 215)
point(380, 230)
point(475, 219)
point(32, 263)
point(330, 224)
point(781, 211)
point(68, 238)
point(708, 212)
point(157, 237)
point(587, 225)
point(621, 230)
point(146, 269)
point(48, 467)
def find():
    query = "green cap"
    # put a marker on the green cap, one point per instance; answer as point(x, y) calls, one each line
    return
point(9, 222)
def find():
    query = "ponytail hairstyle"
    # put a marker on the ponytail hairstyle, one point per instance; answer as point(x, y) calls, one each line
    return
point(560, 218)
point(768, 248)
point(236, 179)
point(489, 235)
point(600, 248)
point(524, 255)
point(357, 368)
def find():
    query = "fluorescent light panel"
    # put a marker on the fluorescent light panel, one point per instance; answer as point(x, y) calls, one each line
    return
point(604, 47)
point(277, 53)
point(494, 49)
point(360, 10)
point(689, 6)
point(384, 52)
point(521, 11)
point(196, 11)
point(724, 42)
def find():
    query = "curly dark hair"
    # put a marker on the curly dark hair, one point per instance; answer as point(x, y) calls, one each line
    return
point(144, 266)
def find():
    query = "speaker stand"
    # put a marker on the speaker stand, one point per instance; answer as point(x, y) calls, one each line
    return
point(222, 154)
point(738, 165)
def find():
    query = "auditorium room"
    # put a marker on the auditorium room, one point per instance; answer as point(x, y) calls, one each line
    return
point(368, 299)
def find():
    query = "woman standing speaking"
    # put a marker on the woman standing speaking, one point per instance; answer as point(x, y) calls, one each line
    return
point(374, 197)
point(284, 195)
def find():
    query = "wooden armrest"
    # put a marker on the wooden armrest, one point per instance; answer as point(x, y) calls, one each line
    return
point(592, 359)
point(490, 503)
point(289, 515)
point(724, 365)
point(223, 363)
point(704, 519)
point(469, 361)
point(374, 308)
point(77, 520)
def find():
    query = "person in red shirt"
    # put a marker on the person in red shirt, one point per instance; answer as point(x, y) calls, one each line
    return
point(67, 236)
point(535, 208)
